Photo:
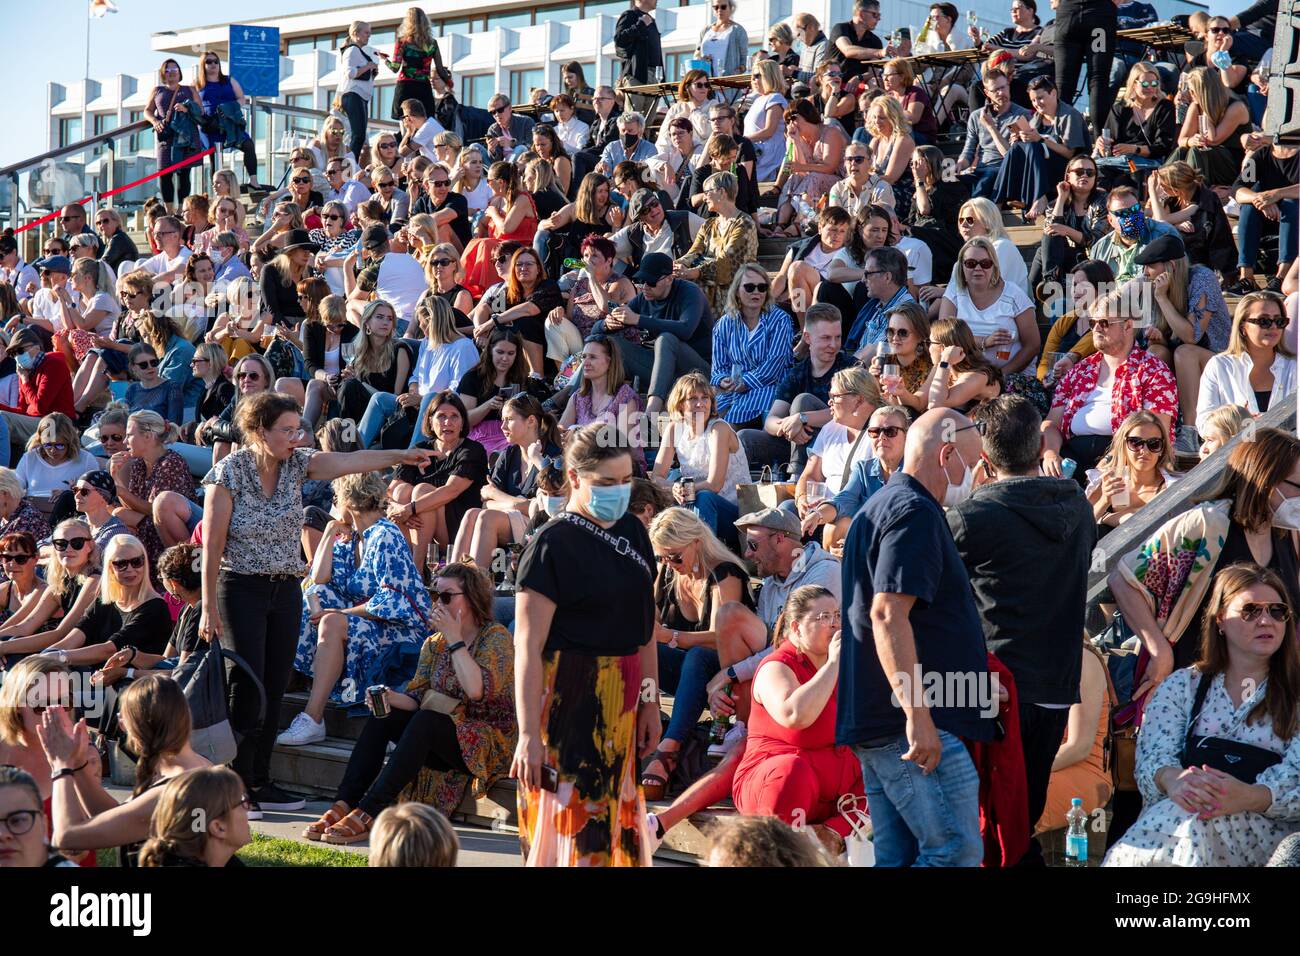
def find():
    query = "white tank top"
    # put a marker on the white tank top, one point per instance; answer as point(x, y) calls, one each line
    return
point(693, 456)
point(401, 283)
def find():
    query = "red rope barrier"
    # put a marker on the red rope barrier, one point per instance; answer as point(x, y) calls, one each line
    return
point(121, 189)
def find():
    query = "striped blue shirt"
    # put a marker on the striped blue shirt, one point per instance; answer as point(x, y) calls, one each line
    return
point(765, 354)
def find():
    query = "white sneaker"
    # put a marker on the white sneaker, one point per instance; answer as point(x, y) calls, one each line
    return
point(656, 841)
point(303, 730)
point(735, 735)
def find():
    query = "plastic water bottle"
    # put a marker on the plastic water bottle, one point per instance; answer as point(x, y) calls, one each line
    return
point(1068, 465)
point(1076, 834)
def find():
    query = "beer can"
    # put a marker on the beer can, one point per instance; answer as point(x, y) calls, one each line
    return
point(378, 702)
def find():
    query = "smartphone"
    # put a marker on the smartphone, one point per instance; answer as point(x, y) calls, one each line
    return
point(550, 778)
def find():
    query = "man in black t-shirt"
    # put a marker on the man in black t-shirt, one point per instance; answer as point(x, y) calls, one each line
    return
point(801, 404)
point(852, 42)
point(449, 209)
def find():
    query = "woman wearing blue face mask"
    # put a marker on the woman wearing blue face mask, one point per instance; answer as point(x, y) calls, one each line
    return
point(586, 669)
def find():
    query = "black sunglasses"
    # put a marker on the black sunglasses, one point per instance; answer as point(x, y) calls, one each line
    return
point(1267, 323)
point(121, 564)
point(889, 431)
point(147, 363)
point(300, 180)
point(499, 109)
point(673, 558)
point(754, 286)
point(442, 262)
point(1155, 445)
point(63, 544)
point(17, 558)
point(444, 597)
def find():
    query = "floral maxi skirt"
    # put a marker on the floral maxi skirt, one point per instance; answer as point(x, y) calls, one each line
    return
point(596, 816)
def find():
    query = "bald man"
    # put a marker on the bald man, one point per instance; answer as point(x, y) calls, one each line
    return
point(914, 679)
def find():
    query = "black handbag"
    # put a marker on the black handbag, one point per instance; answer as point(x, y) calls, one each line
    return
point(1243, 761)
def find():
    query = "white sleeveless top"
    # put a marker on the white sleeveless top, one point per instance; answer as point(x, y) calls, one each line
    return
point(693, 456)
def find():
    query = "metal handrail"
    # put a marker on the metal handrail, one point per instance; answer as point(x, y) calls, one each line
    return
point(310, 113)
point(80, 147)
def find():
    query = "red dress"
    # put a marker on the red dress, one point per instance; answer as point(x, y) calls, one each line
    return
point(480, 271)
point(796, 775)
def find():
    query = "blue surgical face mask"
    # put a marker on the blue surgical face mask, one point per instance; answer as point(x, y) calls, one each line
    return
point(26, 361)
point(217, 257)
point(553, 505)
point(609, 502)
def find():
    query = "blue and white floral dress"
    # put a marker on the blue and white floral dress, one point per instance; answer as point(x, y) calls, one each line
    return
point(386, 580)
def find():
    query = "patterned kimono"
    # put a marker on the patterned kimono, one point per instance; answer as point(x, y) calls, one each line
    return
point(382, 577)
point(486, 729)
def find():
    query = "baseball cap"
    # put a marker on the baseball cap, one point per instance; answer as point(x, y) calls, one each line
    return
point(54, 264)
point(24, 339)
point(774, 519)
point(654, 266)
point(376, 236)
point(637, 204)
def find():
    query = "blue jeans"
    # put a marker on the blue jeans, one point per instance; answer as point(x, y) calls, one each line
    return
point(984, 179)
point(1257, 102)
point(923, 819)
point(686, 674)
point(718, 513)
point(382, 405)
point(1251, 224)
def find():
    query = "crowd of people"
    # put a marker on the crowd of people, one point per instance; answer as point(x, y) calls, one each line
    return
point(495, 430)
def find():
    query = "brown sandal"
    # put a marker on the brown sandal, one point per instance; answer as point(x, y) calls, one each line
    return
point(337, 811)
point(353, 828)
point(654, 786)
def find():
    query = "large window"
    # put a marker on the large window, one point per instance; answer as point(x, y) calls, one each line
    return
point(611, 7)
point(139, 142)
point(384, 39)
point(522, 82)
point(569, 12)
point(103, 123)
point(381, 104)
point(519, 19)
point(461, 27)
point(300, 45)
point(675, 65)
point(69, 130)
point(477, 89)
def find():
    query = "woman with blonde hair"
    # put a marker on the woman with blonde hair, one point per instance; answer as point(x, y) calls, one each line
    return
point(1210, 137)
point(962, 377)
point(444, 271)
point(332, 143)
point(763, 121)
point(201, 820)
point(711, 458)
point(900, 83)
point(154, 484)
point(381, 363)
point(998, 313)
point(1143, 122)
point(698, 576)
point(1257, 369)
point(53, 461)
point(980, 217)
point(1179, 197)
point(470, 180)
point(285, 217)
point(92, 317)
point(129, 612)
point(751, 336)
point(841, 442)
point(907, 335)
point(1138, 466)
point(240, 328)
point(416, 57)
point(71, 588)
point(605, 395)
point(1219, 426)
point(810, 170)
point(891, 148)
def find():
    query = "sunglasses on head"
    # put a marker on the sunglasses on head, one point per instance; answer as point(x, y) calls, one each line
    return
point(444, 597)
point(1155, 445)
point(754, 286)
point(1267, 323)
point(147, 363)
point(985, 264)
point(17, 558)
point(1277, 611)
point(888, 431)
point(121, 564)
point(63, 544)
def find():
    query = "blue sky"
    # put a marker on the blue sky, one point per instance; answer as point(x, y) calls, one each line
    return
point(120, 44)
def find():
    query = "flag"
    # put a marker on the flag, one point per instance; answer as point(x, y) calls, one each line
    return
point(98, 8)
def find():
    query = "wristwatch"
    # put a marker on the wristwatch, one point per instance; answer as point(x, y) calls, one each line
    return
point(943, 365)
point(803, 418)
point(731, 673)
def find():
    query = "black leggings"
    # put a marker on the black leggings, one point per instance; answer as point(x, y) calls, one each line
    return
point(175, 186)
point(248, 148)
point(424, 738)
point(259, 616)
